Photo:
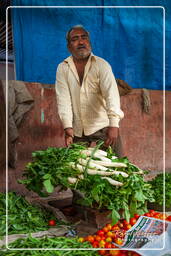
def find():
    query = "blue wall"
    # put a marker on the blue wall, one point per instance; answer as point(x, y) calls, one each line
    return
point(130, 39)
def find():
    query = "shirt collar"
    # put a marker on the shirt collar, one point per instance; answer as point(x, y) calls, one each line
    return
point(70, 58)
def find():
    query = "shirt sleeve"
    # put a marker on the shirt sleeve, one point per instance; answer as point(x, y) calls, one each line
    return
point(63, 96)
point(110, 93)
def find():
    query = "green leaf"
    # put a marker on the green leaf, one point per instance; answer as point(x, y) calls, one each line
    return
point(48, 186)
point(133, 207)
point(115, 216)
point(139, 195)
point(47, 176)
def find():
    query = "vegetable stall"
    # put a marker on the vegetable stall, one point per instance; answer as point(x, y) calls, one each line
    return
point(103, 181)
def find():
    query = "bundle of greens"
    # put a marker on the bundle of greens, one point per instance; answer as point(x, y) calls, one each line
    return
point(106, 181)
point(22, 216)
point(158, 187)
point(57, 242)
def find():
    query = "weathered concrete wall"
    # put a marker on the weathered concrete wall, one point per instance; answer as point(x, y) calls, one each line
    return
point(42, 127)
point(142, 133)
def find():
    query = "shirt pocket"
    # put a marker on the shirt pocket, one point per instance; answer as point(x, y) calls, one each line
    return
point(93, 84)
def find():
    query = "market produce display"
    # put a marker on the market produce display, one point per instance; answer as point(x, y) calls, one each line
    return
point(57, 242)
point(158, 186)
point(107, 182)
point(112, 236)
point(108, 239)
point(22, 216)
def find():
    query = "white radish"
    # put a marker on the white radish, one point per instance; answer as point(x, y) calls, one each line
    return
point(104, 170)
point(112, 181)
point(81, 177)
point(110, 164)
point(102, 173)
point(72, 164)
point(72, 180)
point(94, 172)
point(99, 151)
point(114, 157)
point(88, 153)
point(77, 167)
point(124, 174)
point(91, 164)
point(105, 173)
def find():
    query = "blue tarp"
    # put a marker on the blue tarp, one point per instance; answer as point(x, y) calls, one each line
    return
point(130, 38)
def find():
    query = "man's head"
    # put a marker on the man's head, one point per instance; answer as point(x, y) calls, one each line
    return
point(78, 42)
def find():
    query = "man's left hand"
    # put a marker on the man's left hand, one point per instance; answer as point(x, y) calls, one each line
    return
point(111, 136)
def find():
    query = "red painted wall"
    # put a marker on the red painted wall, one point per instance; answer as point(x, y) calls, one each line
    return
point(142, 133)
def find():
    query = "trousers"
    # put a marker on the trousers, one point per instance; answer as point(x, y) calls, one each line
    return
point(92, 139)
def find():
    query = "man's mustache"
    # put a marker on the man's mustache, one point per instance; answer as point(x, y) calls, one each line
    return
point(81, 47)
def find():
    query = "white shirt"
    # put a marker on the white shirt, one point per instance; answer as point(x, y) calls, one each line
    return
point(91, 106)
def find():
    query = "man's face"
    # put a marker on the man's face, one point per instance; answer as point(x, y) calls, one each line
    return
point(79, 44)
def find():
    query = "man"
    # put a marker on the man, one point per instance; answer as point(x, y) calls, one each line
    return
point(87, 94)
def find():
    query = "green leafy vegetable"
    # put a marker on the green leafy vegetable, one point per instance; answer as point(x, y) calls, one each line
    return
point(57, 242)
point(22, 216)
point(55, 165)
point(158, 187)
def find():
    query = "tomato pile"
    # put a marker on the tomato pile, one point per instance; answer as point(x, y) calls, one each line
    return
point(105, 237)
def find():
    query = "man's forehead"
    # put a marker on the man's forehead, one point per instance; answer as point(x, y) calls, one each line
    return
point(78, 31)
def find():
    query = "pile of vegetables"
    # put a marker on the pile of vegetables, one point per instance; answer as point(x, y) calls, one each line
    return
point(158, 188)
point(106, 181)
point(112, 236)
point(57, 242)
point(22, 216)
point(108, 239)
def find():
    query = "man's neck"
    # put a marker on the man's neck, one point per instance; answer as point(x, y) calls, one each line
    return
point(81, 60)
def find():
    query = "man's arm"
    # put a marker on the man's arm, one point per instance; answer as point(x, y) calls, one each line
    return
point(110, 93)
point(64, 102)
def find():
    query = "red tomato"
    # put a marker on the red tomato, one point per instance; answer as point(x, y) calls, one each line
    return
point(152, 212)
point(52, 222)
point(136, 215)
point(114, 246)
point(147, 214)
point(115, 227)
point(108, 245)
point(157, 216)
point(95, 244)
point(102, 252)
point(109, 234)
point(127, 227)
point(109, 226)
point(100, 232)
point(168, 218)
point(125, 222)
point(90, 239)
point(133, 221)
point(97, 238)
point(105, 229)
point(103, 237)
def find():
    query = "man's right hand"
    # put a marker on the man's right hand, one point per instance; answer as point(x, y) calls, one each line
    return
point(69, 135)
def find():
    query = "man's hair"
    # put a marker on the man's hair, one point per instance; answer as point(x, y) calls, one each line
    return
point(75, 27)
